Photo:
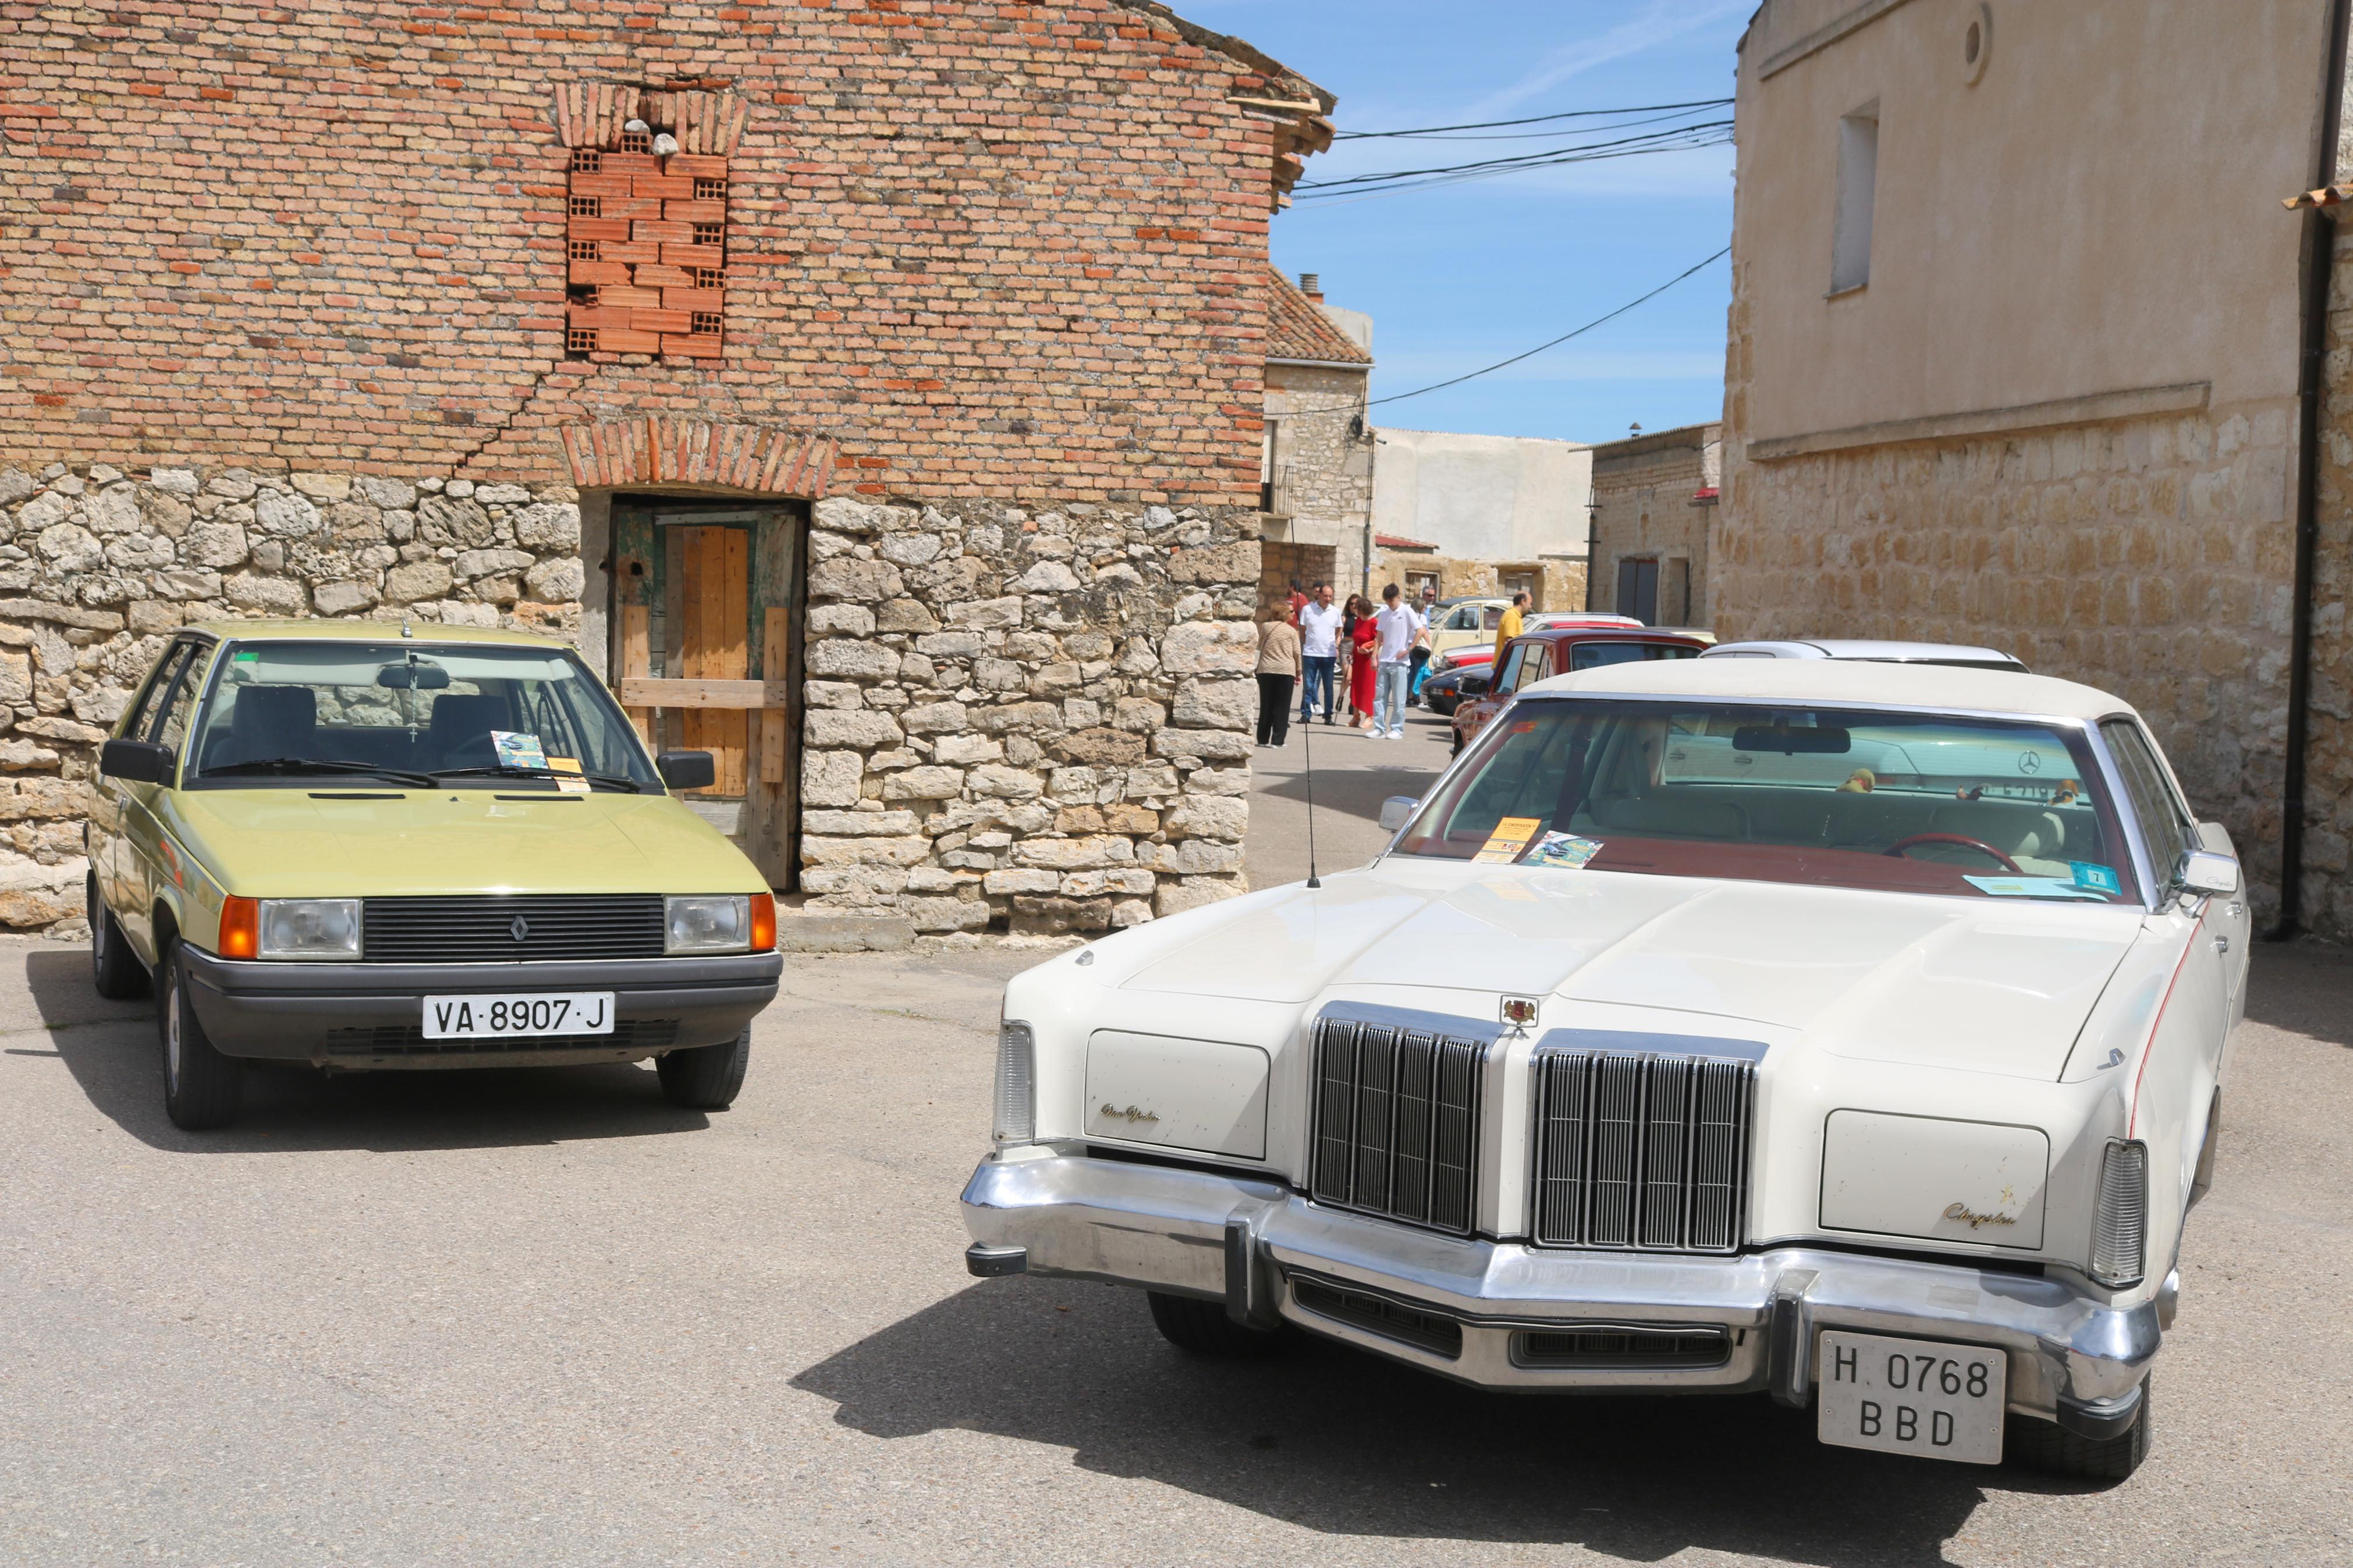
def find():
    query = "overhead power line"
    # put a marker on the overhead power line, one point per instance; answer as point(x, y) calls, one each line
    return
point(1581, 332)
point(1705, 133)
point(1532, 119)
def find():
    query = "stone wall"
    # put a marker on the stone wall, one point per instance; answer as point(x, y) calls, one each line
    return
point(1324, 477)
point(1035, 722)
point(99, 566)
point(2148, 557)
point(1645, 505)
point(2328, 893)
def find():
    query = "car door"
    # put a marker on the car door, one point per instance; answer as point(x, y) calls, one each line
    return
point(108, 796)
point(146, 860)
point(2174, 1086)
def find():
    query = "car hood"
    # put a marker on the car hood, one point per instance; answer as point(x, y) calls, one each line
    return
point(1989, 986)
point(291, 843)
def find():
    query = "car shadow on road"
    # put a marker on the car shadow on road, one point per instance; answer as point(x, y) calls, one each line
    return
point(2300, 986)
point(109, 1049)
point(1354, 792)
point(1344, 1443)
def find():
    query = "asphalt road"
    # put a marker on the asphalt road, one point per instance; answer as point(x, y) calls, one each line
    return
point(516, 1318)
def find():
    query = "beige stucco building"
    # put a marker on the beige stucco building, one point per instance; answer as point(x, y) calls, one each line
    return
point(2014, 358)
point(1480, 514)
point(1654, 498)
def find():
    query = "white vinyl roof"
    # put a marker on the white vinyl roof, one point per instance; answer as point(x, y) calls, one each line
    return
point(1843, 680)
point(1857, 648)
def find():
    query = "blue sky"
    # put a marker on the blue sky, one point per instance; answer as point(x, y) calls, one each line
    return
point(1468, 274)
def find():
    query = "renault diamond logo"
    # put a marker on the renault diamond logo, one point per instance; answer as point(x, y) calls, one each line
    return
point(519, 930)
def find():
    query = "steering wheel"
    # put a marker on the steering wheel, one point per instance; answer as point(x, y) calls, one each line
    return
point(1965, 841)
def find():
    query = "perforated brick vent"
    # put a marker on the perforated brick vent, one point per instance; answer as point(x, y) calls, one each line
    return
point(646, 243)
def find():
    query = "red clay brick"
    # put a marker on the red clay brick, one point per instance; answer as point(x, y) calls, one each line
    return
point(626, 342)
point(692, 347)
point(667, 186)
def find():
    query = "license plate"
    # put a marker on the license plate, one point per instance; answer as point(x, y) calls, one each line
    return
point(1912, 1396)
point(499, 1017)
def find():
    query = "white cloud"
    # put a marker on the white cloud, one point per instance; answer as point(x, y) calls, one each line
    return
point(1659, 22)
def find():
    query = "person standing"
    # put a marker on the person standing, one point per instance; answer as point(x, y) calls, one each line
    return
point(1510, 627)
point(1278, 667)
point(1319, 653)
point(1395, 632)
point(1360, 664)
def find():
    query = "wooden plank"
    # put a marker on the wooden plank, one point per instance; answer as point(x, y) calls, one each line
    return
point(636, 660)
point(734, 655)
point(673, 631)
point(710, 693)
point(776, 647)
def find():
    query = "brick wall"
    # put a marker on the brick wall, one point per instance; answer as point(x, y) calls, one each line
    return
point(1013, 247)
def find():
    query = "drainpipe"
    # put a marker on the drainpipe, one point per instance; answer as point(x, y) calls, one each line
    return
point(2318, 263)
point(1592, 539)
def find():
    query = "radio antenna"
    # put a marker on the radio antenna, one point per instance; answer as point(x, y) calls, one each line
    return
point(1307, 738)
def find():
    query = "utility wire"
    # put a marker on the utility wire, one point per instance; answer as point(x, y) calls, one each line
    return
point(1675, 139)
point(1531, 120)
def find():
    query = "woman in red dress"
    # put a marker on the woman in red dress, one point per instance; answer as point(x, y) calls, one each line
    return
point(1362, 634)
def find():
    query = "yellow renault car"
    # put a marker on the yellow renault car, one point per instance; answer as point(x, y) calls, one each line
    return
point(368, 847)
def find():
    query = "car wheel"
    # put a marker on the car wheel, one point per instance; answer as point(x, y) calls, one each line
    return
point(2047, 1446)
point(707, 1077)
point(201, 1087)
point(1202, 1327)
point(114, 969)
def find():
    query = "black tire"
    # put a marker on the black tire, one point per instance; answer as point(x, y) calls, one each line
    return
point(1202, 1327)
point(707, 1077)
point(114, 969)
point(2047, 1446)
point(201, 1087)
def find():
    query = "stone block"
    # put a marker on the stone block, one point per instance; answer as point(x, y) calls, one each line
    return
point(841, 620)
point(1215, 705)
point(1074, 854)
point(833, 693)
point(68, 548)
point(831, 778)
point(862, 729)
point(1038, 916)
point(271, 595)
point(982, 615)
point(1021, 879)
point(416, 581)
point(1047, 577)
point(847, 577)
point(1138, 715)
point(1022, 717)
point(1210, 648)
point(905, 615)
point(557, 580)
point(1235, 562)
point(1224, 818)
point(934, 718)
point(951, 645)
point(1176, 898)
point(1100, 748)
point(855, 660)
point(996, 780)
point(967, 749)
point(1202, 745)
point(283, 516)
point(924, 784)
point(863, 850)
point(858, 823)
point(941, 914)
point(1135, 819)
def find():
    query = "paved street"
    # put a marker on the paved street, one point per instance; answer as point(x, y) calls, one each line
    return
point(543, 1319)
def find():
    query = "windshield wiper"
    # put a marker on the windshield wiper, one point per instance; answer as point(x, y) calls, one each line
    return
point(517, 771)
point(315, 766)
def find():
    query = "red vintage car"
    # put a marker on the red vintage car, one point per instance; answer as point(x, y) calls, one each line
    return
point(1557, 649)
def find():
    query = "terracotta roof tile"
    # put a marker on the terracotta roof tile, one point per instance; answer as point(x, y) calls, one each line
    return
point(1296, 328)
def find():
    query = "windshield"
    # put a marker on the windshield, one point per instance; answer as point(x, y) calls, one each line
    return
point(1900, 801)
point(421, 713)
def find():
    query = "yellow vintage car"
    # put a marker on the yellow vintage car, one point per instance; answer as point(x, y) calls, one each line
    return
point(373, 847)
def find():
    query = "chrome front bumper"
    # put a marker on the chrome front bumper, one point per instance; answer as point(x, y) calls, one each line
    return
point(1251, 1244)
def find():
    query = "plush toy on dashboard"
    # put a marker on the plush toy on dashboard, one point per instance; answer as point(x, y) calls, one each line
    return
point(1862, 781)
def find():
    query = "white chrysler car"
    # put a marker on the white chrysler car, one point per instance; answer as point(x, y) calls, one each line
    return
point(1852, 1032)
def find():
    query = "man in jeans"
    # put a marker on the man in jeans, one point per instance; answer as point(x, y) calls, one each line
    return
point(1394, 631)
point(1319, 646)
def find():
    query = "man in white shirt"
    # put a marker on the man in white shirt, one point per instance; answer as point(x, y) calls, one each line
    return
point(1319, 653)
point(1395, 630)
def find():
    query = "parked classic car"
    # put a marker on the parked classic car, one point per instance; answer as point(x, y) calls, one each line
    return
point(367, 848)
point(1742, 1064)
point(1563, 648)
point(1958, 655)
point(1448, 690)
point(1464, 623)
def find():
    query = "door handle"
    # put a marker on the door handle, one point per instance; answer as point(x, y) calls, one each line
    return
point(2221, 944)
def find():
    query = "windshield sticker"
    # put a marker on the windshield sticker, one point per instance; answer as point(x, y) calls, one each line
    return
point(518, 750)
point(248, 656)
point(574, 785)
point(565, 764)
point(1510, 836)
point(2029, 886)
point(2095, 879)
point(1565, 850)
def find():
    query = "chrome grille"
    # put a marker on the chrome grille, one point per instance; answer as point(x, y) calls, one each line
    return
point(1641, 1152)
point(481, 930)
point(1607, 1345)
point(1396, 1122)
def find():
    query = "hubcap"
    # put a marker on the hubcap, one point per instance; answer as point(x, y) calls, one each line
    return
point(172, 1032)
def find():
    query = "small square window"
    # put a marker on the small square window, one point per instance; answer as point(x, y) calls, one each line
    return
point(581, 340)
point(637, 141)
point(583, 249)
point(707, 190)
point(710, 234)
point(585, 206)
point(586, 160)
point(709, 278)
point(705, 322)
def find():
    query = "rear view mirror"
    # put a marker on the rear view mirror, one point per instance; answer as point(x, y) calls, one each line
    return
point(418, 677)
point(1397, 811)
point(687, 770)
point(1819, 740)
point(138, 761)
point(2203, 871)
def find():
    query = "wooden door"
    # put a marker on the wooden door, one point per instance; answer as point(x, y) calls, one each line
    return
point(713, 629)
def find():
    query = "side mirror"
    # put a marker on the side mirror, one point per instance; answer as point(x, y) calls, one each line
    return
point(2203, 871)
point(138, 761)
point(1397, 811)
point(687, 770)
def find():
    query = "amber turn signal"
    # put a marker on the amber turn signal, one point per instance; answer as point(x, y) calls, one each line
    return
point(240, 928)
point(763, 922)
